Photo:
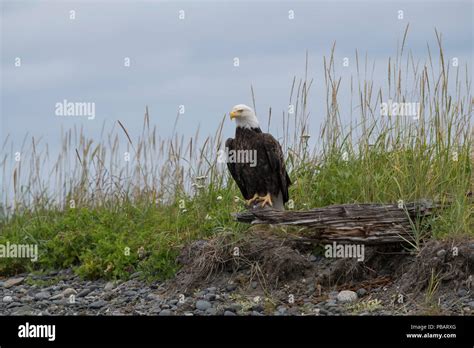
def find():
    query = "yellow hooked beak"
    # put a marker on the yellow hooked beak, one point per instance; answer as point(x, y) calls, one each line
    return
point(233, 114)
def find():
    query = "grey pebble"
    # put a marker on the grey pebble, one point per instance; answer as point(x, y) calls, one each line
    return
point(347, 296)
point(203, 305)
point(234, 307)
point(211, 311)
point(42, 295)
point(231, 287)
point(109, 286)
point(97, 304)
point(24, 310)
point(210, 297)
point(14, 304)
point(84, 293)
point(7, 299)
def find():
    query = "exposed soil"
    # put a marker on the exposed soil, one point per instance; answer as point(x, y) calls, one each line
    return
point(431, 280)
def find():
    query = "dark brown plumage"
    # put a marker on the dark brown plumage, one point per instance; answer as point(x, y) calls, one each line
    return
point(269, 175)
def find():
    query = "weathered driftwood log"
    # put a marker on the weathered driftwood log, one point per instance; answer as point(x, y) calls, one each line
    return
point(348, 223)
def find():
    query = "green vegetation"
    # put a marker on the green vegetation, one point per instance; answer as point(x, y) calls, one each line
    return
point(108, 217)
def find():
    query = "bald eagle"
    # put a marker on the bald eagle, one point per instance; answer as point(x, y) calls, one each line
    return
point(265, 181)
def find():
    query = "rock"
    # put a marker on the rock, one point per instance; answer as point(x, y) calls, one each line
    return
point(27, 298)
point(331, 303)
point(153, 297)
point(471, 304)
point(229, 314)
point(312, 258)
point(254, 285)
point(165, 312)
point(14, 304)
point(174, 302)
point(12, 282)
point(97, 304)
point(42, 295)
point(68, 292)
point(56, 297)
point(188, 314)
point(462, 292)
point(84, 293)
point(361, 292)
point(212, 289)
point(109, 286)
point(210, 297)
point(346, 296)
point(441, 253)
point(7, 299)
point(234, 307)
point(24, 310)
point(211, 311)
point(203, 305)
point(130, 293)
point(155, 309)
point(231, 287)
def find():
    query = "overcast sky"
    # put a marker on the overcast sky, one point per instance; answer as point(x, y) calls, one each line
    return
point(190, 61)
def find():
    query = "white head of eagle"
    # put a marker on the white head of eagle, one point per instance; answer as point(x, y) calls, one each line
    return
point(265, 184)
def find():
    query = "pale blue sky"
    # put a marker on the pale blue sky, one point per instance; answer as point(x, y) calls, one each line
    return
point(190, 61)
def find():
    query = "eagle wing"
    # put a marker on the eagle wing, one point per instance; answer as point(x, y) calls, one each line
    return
point(229, 144)
point(277, 163)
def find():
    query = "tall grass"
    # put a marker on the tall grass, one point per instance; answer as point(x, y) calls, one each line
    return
point(151, 194)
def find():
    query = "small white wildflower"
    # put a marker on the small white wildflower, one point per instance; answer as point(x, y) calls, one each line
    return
point(219, 198)
point(345, 156)
point(236, 199)
point(208, 217)
point(291, 204)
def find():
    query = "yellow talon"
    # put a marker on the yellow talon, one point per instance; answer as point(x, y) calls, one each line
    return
point(267, 199)
point(251, 200)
